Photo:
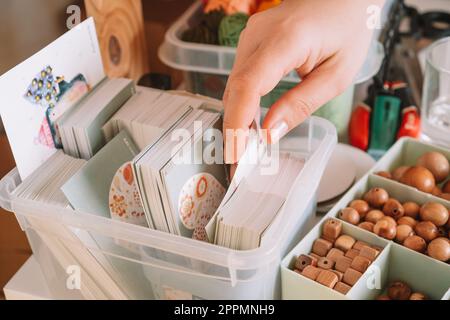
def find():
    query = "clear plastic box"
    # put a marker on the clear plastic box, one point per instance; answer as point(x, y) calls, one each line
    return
point(161, 265)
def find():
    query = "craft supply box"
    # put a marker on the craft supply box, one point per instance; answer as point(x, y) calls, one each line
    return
point(162, 265)
point(206, 69)
point(395, 262)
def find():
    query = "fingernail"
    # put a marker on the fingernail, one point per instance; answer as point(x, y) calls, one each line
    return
point(278, 131)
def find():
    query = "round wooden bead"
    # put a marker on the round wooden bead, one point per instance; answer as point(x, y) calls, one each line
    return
point(389, 219)
point(403, 231)
point(393, 208)
point(415, 243)
point(439, 249)
point(436, 191)
point(349, 215)
point(397, 174)
point(399, 291)
point(385, 229)
point(417, 296)
point(374, 215)
point(419, 178)
point(366, 226)
point(384, 174)
point(376, 197)
point(407, 221)
point(434, 212)
point(411, 209)
point(361, 206)
point(426, 230)
point(344, 242)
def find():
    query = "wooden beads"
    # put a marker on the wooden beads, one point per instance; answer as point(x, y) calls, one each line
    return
point(349, 215)
point(439, 249)
point(325, 263)
point(344, 242)
point(311, 272)
point(342, 288)
point(327, 278)
point(415, 243)
point(331, 229)
point(321, 247)
point(337, 264)
point(399, 291)
point(360, 264)
point(343, 263)
point(305, 260)
point(351, 276)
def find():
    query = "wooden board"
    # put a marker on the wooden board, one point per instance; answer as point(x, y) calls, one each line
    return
point(120, 29)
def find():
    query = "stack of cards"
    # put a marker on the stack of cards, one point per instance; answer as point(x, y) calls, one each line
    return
point(179, 190)
point(44, 184)
point(243, 218)
point(80, 127)
point(149, 114)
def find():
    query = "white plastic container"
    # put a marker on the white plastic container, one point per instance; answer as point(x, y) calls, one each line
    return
point(396, 262)
point(207, 68)
point(164, 265)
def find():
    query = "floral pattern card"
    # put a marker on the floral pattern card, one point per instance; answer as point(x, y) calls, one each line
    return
point(38, 91)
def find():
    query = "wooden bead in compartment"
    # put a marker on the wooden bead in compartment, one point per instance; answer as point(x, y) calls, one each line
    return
point(384, 174)
point(342, 288)
point(352, 253)
point(311, 272)
point(426, 230)
point(321, 247)
point(393, 208)
point(368, 226)
point(339, 274)
point(360, 264)
point(369, 253)
point(334, 254)
point(327, 278)
point(361, 206)
point(305, 260)
point(397, 174)
point(344, 242)
point(439, 249)
point(349, 215)
point(407, 221)
point(385, 229)
point(403, 231)
point(399, 291)
point(314, 256)
point(342, 264)
point(359, 244)
point(332, 229)
point(415, 243)
point(325, 263)
point(435, 213)
point(376, 197)
point(374, 216)
point(351, 276)
point(411, 209)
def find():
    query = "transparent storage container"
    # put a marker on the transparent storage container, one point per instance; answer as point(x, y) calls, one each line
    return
point(117, 260)
point(396, 262)
point(206, 69)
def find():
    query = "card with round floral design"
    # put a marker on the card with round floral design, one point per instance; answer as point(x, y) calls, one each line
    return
point(199, 199)
point(124, 200)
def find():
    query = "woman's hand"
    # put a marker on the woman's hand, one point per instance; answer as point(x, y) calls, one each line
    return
point(325, 41)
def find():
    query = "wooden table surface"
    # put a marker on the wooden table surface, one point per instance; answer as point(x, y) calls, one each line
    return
point(14, 247)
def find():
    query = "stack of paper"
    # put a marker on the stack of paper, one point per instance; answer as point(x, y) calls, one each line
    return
point(179, 190)
point(242, 220)
point(44, 184)
point(80, 127)
point(149, 114)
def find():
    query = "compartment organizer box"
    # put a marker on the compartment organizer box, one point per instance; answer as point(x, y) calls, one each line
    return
point(162, 265)
point(396, 262)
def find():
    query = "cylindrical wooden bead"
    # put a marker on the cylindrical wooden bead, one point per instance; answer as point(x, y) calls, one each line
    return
point(321, 247)
point(344, 243)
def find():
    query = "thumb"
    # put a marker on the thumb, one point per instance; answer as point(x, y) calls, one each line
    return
point(321, 85)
